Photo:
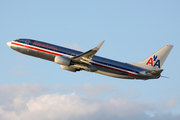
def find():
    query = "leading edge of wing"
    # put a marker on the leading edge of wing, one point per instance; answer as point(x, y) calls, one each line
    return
point(87, 56)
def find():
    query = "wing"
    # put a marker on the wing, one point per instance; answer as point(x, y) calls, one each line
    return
point(86, 57)
point(83, 61)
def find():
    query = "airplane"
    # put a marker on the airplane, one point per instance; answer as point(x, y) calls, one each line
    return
point(73, 60)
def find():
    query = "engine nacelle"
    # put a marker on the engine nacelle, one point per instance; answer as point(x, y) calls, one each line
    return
point(62, 60)
point(68, 68)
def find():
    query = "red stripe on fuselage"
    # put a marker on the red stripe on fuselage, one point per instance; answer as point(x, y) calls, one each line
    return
point(113, 69)
point(36, 49)
point(62, 55)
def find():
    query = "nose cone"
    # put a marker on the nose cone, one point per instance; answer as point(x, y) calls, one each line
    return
point(9, 44)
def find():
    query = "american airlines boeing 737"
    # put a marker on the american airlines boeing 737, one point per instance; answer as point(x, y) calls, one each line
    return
point(73, 60)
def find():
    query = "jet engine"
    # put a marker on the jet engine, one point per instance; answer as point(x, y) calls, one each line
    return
point(62, 60)
point(68, 68)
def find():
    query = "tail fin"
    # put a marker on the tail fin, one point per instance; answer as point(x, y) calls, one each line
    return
point(156, 60)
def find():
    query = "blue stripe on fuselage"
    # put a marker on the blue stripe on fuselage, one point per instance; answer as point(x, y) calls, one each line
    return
point(97, 59)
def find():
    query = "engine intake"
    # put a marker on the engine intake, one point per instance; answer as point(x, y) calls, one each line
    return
point(62, 60)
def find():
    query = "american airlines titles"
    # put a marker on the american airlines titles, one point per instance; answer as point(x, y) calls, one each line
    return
point(44, 45)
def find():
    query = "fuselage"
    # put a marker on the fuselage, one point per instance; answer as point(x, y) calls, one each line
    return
point(104, 66)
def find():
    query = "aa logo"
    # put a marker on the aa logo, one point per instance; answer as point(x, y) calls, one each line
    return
point(154, 60)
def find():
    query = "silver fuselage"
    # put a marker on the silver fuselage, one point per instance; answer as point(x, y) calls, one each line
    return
point(104, 66)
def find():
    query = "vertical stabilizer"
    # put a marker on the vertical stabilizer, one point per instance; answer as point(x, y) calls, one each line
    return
point(156, 60)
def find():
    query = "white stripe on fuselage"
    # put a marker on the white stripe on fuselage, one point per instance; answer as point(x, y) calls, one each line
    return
point(62, 54)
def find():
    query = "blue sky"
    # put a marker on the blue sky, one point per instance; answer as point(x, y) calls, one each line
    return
point(132, 30)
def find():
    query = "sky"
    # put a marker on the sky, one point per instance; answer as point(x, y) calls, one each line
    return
point(32, 88)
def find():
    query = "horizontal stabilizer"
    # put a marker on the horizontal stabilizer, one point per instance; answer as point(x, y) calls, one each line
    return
point(155, 72)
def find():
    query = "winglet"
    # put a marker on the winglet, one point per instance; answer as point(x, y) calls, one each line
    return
point(87, 56)
point(99, 46)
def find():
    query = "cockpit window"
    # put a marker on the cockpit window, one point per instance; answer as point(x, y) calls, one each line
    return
point(18, 40)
